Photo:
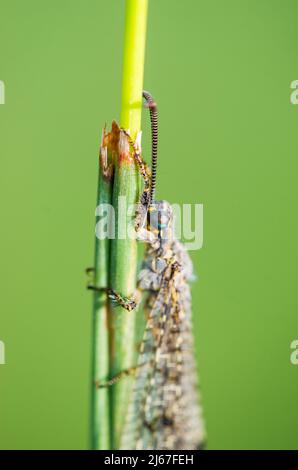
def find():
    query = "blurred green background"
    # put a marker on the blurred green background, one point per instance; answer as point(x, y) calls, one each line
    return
point(221, 73)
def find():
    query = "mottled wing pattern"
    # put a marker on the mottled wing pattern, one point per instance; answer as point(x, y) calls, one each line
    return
point(136, 430)
point(181, 423)
point(165, 412)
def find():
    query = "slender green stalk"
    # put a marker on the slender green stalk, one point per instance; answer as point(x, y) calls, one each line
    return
point(100, 417)
point(133, 65)
point(126, 184)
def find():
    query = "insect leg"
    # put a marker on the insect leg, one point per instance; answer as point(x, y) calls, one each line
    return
point(144, 170)
point(89, 270)
point(145, 173)
point(117, 377)
point(128, 304)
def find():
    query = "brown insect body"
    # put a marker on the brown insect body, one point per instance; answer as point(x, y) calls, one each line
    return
point(165, 411)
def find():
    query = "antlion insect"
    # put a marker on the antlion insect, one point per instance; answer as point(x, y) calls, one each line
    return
point(164, 412)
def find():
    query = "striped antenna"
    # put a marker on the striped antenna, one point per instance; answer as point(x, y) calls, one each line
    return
point(154, 130)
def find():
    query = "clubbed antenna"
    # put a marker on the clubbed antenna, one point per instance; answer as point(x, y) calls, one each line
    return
point(154, 130)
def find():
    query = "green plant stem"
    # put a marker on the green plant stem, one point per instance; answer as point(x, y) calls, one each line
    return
point(126, 184)
point(100, 416)
point(133, 65)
